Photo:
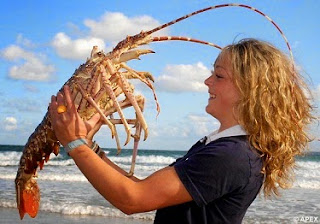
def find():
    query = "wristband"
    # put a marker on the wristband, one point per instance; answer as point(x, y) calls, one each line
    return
point(74, 144)
point(96, 148)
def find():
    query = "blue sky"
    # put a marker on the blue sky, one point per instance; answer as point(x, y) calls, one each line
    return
point(43, 43)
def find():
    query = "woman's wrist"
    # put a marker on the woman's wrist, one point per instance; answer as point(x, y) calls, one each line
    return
point(70, 146)
point(96, 149)
point(66, 140)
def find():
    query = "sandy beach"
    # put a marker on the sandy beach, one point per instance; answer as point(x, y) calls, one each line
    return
point(11, 216)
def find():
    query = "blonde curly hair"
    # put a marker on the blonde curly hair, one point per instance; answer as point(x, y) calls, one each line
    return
point(274, 108)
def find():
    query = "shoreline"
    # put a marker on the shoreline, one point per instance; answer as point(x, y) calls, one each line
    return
point(11, 215)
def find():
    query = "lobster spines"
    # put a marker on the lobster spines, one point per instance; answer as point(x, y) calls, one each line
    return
point(56, 148)
point(131, 42)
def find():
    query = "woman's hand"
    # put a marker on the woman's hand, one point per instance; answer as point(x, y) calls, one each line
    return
point(68, 126)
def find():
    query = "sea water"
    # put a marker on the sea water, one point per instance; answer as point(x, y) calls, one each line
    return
point(66, 191)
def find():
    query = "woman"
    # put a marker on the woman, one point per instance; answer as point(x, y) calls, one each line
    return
point(258, 98)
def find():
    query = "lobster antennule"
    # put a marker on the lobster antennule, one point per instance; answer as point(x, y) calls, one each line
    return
point(167, 38)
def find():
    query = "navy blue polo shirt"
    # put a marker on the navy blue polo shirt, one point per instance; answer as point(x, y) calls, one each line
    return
point(223, 177)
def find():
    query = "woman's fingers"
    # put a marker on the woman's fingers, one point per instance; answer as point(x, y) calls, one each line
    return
point(67, 121)
point(53, 107)
point(53, 103)
point(67, 95)
point(60, 99)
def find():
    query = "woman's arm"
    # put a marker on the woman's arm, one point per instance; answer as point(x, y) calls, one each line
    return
point(161, 189)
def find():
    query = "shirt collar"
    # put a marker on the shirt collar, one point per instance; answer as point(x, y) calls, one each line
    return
point(236, 130)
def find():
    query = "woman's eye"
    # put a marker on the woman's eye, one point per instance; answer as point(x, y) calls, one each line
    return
point(219, 76)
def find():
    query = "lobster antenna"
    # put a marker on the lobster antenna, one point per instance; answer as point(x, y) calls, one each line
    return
point(215, 7)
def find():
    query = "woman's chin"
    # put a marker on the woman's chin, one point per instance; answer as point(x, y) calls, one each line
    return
point(210, 110)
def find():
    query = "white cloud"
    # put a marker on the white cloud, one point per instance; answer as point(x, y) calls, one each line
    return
point(10, 123)
point(198, 125)
point(14, 52)
point(24, 41)
point(202, 124)
point(183, 78)
point(32, 67)
point(115, 26)
point(111, 28)
point(75, 49)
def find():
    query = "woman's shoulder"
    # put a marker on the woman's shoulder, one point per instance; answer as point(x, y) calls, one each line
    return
point(229, 144)
point(234, 148)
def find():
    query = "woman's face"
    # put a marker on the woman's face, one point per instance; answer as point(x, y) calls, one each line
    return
point(223, 93)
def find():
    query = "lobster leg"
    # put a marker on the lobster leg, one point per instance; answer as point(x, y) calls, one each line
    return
point(146, 81)
point(123, 104)
point(116, 135)
point(136, 137)
point(146, 75)
point(111, 94)
point(136, 140)
point(119, 121)
point(91, 101)
point(135, 148)
point(135, 74)
point(123, 82)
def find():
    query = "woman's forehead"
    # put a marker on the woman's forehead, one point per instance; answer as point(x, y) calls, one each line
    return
point(222, 59)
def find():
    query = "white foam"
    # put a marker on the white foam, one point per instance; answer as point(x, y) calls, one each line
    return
point(8, 204)
point(82, 209)
point(152, 159)
point(68, 162)
point(7, 176)
point(307, 184)
point(9, 158)
point(9, 163)
point(64, 177)
point(307, 173)
point(308, 165)
point(12, 158)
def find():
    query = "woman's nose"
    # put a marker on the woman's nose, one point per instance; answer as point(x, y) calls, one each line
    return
point(208, 81)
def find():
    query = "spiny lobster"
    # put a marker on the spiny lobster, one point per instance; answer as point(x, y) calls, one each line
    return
point(96, 86)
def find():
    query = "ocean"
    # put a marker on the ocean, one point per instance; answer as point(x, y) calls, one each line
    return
point(64, 190)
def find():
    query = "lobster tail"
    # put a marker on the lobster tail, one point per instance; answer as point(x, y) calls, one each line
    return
point(28, 198)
